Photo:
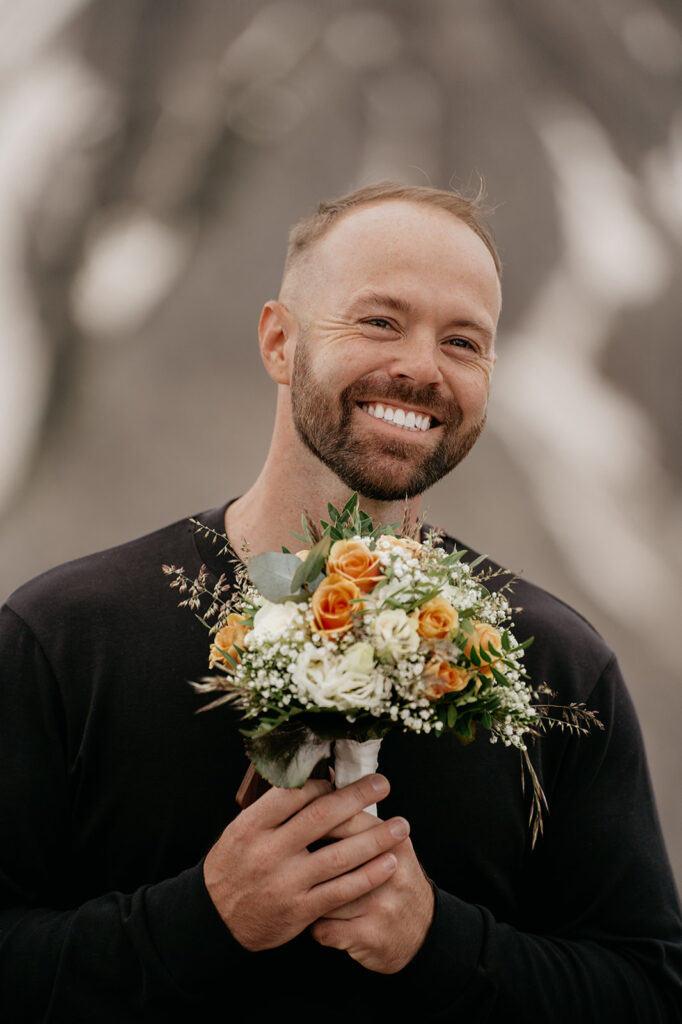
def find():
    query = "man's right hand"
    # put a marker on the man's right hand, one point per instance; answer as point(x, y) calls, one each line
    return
point(265, 883)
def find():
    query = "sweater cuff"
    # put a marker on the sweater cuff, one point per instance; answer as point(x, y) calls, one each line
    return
point(450, 957)
point(189, 935)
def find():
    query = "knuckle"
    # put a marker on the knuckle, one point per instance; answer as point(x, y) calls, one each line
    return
point(316, 813)
point(339, 857)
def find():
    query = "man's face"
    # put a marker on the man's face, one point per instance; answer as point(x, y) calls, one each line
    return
point(391, 372)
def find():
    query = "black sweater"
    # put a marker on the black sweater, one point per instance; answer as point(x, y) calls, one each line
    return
point(113, 790)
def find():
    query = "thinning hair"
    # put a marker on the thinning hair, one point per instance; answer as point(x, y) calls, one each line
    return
point(468, 210)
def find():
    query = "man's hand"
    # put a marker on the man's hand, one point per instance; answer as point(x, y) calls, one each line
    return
point(268, 887)
point(384, 928)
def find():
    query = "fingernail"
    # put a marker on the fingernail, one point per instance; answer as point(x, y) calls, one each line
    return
point(390, 863)
point(380, 785)
point(399, 829)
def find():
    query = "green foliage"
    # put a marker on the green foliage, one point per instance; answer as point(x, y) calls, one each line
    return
point(309, 572)
point(286, 755)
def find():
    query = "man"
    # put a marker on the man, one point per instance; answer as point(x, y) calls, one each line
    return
point(133, 891)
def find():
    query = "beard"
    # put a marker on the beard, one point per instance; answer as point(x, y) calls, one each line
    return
point(383, 469)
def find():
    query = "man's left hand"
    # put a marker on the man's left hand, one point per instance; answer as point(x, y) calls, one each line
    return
point(384, 929)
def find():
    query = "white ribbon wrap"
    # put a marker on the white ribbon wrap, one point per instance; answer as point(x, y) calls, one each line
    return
point(352, 760)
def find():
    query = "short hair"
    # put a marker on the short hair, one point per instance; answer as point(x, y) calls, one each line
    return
point(469, 210)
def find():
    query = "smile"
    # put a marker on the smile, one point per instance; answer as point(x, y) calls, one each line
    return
point(407, 419)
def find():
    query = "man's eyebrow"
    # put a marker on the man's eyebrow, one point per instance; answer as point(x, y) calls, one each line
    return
point(382, 299)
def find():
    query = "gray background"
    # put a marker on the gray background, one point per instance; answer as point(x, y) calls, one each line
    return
point(154, 155)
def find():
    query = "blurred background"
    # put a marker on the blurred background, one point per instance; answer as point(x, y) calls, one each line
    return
point(154, 154)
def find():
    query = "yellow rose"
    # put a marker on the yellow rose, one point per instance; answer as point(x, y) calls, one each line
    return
point(233, 632)
point(436, 619)
point(354, 561)
point(483, 636)
point(331, 604)
point(442, 677)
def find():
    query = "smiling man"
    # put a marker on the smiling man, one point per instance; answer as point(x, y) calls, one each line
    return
point(132, 889)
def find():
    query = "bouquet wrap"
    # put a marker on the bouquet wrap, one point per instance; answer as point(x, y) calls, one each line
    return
point(352, 760)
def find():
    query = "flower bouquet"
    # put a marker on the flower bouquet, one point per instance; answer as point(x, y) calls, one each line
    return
point(362, 632)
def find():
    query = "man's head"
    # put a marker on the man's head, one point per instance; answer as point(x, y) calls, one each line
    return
point(388, 306)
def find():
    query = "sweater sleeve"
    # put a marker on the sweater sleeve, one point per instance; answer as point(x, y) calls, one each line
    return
point(100, 959)
point(602, 936)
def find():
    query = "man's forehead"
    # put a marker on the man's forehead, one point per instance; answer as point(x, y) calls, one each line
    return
point(391, 217)
point(386, 238)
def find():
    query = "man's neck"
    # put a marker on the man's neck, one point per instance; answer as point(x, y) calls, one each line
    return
point(266, 517)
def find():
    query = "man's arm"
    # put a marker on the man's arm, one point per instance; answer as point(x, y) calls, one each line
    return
point(602, 937)
point(66, 956)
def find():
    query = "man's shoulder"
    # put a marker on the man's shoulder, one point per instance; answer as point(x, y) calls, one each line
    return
point(105, 579)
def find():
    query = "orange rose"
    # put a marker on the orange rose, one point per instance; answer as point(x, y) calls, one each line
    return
point(354, 561)
point(331, 604)
point(436, 619)
point(483, 636)
point(442, 677)
point(225, 639)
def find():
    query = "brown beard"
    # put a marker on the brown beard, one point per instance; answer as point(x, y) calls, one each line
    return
point(371, 470)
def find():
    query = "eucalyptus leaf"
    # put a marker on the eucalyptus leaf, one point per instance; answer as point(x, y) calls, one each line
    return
point(272, 572)
point(310, 570)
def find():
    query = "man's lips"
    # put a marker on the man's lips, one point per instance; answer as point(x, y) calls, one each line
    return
point(399, 416)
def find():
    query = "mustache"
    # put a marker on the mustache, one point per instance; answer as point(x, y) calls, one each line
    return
point(374, 388)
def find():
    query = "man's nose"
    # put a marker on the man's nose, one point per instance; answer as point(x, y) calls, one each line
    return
point(417, 357)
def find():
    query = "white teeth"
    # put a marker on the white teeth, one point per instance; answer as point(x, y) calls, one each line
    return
point(407, 420)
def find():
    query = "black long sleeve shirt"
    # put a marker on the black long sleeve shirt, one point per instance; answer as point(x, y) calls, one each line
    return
point(113, 791)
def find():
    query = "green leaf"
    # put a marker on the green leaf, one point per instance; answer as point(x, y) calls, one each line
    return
point(455, 556)
point(272, 572)
point(499, 677)
point(311, 568)
point(350, 506)
point(286, 755)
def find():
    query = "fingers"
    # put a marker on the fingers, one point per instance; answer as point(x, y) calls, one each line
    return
point(349, 853)
point(320, 816)
point(347, 888)
point(278, 805)
point(360, 822)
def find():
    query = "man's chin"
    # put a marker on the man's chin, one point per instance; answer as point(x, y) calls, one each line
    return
point(388, 478)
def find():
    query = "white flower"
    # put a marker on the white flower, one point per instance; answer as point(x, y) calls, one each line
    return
point(358, 659)
point(394, 633)
point(328, 681)
point(272, 620)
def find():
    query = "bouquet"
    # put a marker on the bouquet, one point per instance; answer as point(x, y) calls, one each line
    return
point(364, 631)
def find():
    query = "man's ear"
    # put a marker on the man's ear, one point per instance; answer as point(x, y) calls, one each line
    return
point(277, 331)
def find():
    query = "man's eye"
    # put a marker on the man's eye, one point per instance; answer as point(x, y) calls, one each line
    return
point(461, 343)
point(378, 321)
